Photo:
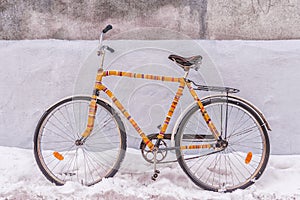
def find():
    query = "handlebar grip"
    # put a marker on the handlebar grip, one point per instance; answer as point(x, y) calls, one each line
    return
point(107, 28)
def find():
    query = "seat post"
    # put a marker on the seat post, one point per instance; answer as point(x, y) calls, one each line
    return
point(186, 74)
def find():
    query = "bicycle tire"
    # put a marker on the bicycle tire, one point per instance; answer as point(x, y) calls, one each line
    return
point(56, 154)
point(243, 160)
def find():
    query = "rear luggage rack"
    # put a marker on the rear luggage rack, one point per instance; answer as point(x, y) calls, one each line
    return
point(214, 88)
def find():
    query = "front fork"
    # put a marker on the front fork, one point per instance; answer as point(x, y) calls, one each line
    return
point(91, 116)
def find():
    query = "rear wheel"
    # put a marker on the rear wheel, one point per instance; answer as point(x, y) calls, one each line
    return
point(58, 155)
point(236, 166)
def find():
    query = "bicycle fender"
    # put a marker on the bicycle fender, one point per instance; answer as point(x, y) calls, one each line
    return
point(81, 95)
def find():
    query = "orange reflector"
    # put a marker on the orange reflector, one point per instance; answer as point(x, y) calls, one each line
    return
point(248, 158)
point(58, 155)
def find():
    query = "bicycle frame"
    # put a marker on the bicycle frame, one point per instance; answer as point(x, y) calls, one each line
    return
point(182, 83)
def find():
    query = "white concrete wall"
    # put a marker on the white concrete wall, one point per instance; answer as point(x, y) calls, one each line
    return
point(36, 74)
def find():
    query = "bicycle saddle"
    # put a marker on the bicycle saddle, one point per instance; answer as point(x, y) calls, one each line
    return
point(185, 61)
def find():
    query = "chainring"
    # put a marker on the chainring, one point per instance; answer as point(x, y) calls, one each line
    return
point(148, 155)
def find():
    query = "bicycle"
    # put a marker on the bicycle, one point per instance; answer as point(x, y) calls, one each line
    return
point(83, 138)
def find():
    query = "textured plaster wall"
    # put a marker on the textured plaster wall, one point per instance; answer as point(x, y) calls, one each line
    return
point(253, 19)
point(197, 19)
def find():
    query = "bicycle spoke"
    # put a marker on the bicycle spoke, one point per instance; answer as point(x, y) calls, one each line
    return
point(66, 121)
point(241, 164)
point(97, 160)
point(246, 138)
point(64, 127)
point(66, 134)
point(72, 121)
point(247, 130)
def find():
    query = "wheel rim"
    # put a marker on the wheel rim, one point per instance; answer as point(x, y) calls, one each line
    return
point(87, 164)
point(226, 170)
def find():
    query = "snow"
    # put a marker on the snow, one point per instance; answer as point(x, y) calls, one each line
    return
point(21, 179)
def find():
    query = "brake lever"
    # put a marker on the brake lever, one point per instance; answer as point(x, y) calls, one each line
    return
point(105, 47)
point(111, 50)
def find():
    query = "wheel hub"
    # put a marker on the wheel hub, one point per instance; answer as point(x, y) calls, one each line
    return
point(79, 142)
point(222, 144)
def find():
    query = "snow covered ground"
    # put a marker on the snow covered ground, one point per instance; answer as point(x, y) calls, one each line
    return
point(21, 179)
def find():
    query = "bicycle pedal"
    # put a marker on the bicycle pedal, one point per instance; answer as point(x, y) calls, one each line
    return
point(154, 177)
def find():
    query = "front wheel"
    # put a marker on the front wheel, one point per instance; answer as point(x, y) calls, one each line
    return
point(59, 156)
point(245, 156)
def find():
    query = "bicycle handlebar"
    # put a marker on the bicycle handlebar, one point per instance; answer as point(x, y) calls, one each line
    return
point(107, 28)
point(101, 47)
